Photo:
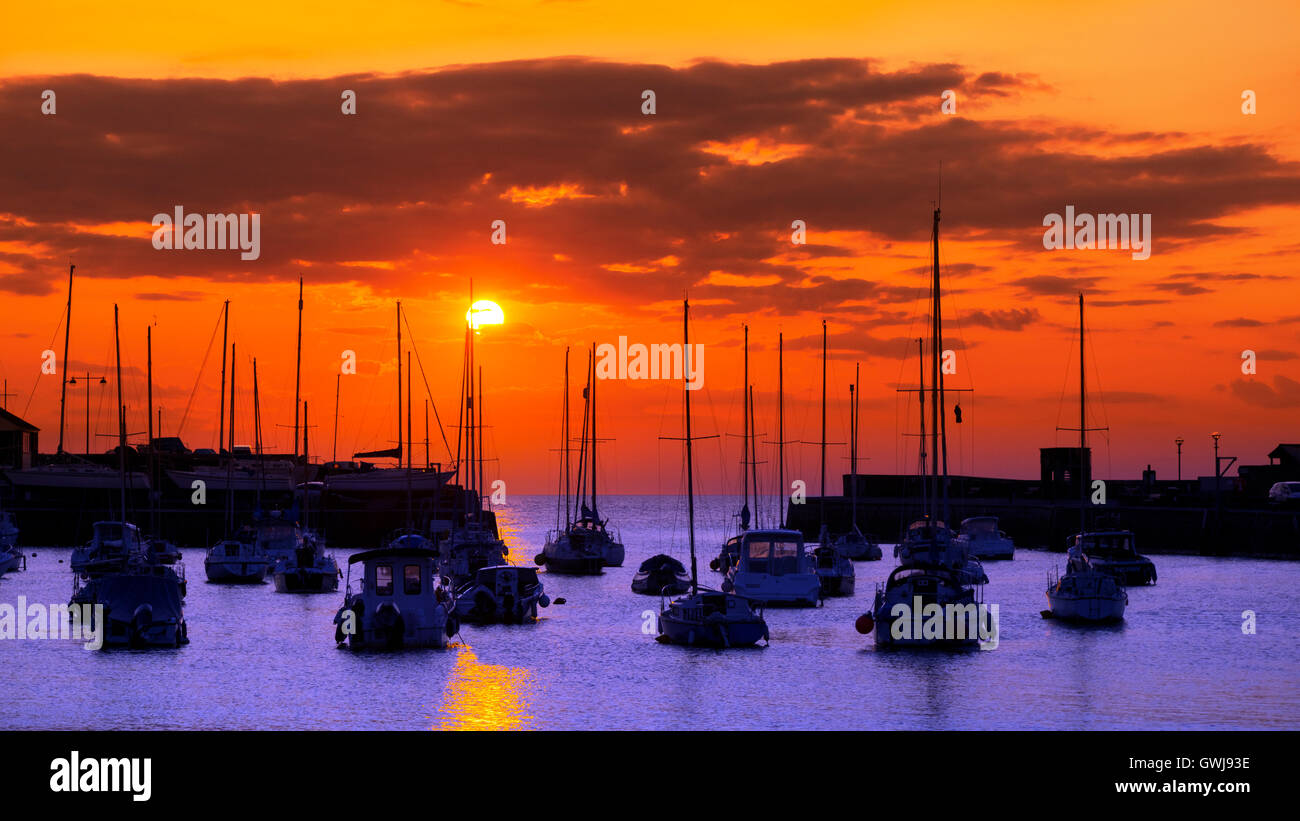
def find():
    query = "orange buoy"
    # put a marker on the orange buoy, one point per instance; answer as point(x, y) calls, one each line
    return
point(865, 623)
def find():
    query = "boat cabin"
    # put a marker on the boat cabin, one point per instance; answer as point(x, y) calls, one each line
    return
point(1114, 543)
point(400, 573)
point(772, 552)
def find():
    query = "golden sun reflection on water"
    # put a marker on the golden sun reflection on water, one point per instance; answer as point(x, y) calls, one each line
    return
point(485, 696)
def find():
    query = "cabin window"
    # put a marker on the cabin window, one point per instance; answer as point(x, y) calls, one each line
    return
point(384, 579)
point(411, 580)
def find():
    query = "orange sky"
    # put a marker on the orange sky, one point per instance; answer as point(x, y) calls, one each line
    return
point(1112, 107)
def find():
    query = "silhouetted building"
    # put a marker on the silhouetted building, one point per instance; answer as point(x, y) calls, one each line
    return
point(18, 439)
point(1283, 466)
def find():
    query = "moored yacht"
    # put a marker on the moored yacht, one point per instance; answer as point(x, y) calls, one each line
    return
point(774, 568)
point(399, 600)
point(111, 545)
point(1085, 594)
point(705, 618)
point(934, 598)
point(236, 560)
point(502, 594)
point(308, 570)
point(983, 540)
point(1113, 552)
point(834, 570)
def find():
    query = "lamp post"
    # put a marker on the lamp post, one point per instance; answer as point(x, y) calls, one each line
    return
point(1179, 443)
point(87, 377)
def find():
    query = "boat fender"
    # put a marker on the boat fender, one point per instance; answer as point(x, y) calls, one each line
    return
point(713, 564)
point(453, 627)
point(387, 615)
point(544, 600)
point(865, 623)
point(540, 558)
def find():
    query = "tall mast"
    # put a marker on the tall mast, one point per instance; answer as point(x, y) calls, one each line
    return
point(153, 478)
point(925, 477)
point(399, 383)
point(427, 462)
point(297, 375)
point(410, 441)
point(594, 511)
point(822, 501)
point(230, 457)
point(780, 418)
point(1083, 428)
point(121, 408)
point(67, 334)
point(690, 467)
point(257, 436)
point(744, 411)
point(854, 398)
point(221, 406)
point(564, 442)
point(306, 490)
point(753, 455)
point(479, 509)
point(936, 343)
point(338, 382)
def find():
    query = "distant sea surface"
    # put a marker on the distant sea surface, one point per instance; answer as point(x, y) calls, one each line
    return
point(263, 660)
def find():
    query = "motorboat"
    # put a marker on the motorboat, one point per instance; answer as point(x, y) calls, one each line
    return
point(399, 601)
point(470, 548)
point(239, 560)
point(111, 546)
point(702, 617)
point(502, 594)
point(308, 570)
point(1113, 552)
point(858, 547)
point(11, 556)
point(1084, 593)
point(775, 569)
point(661, 574)
point(983, 540)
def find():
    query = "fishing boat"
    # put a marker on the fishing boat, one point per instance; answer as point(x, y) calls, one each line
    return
point(659, 575)
point(142, 600)
point(983, 540)
point(585, 544)
point(399, 600)
point(11, 556)
point(705, 618)
point(854, 544)
point(935, 574)
point(504, 594)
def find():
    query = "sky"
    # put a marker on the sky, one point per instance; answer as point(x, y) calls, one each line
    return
point(532, 113)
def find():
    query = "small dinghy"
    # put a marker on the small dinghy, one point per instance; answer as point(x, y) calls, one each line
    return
point(661, 574)
point(399, 602)
point(504, 594)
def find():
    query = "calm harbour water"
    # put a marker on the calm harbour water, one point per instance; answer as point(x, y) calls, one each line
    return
point(262, 660)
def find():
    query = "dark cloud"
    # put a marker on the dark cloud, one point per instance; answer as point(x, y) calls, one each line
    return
point(1284, 392)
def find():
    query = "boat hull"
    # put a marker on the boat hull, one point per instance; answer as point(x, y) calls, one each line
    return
point(1128, 572)
point(237, 571)
point(791, 590)
point(305, 581)
point(719, 634)
point(1084, 608)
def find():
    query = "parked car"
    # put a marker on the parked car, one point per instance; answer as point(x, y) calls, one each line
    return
point(1284, 492)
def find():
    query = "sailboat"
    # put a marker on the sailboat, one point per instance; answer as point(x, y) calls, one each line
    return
point(142, 599)
point(854, 544)
point(729, 555)
point(934, 574)
point(237, 558)
point(1086, 592)
point(308, 568)
point(705, 618)
point(473, 543)
point(834, 568)
point(585, 544)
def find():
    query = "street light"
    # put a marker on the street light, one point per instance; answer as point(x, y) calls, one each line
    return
point(1179, 443)
point(87, 377)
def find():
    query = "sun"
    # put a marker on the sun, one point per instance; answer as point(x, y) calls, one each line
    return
point(484, 312)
